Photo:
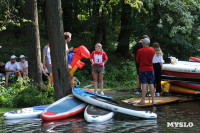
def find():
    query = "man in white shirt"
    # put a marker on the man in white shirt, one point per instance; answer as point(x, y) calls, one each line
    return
point(23, 64)
point(47, 60)
point(12, 68)
point(68, 37)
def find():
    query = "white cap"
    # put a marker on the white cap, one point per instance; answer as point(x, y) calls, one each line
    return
point(22, 56)
point(146, 41)
point(13, 57)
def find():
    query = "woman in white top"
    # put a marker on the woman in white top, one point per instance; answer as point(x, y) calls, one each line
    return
point(157, 65)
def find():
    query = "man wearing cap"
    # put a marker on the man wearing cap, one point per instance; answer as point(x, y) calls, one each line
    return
point(12, 68)
point(146, 72)
point(138, 46)
point(23, 64)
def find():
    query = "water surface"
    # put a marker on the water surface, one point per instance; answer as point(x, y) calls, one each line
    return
point(188, 112)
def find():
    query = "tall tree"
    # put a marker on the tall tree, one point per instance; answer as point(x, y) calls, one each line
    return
point(124, 36)
point(35, 71)
point(61, 75)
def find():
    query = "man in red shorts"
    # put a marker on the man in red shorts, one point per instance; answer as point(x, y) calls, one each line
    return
point(146, 72)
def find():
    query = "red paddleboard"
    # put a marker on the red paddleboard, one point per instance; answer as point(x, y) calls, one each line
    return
point(63, 108)
point(187, 84)
point(181, 74)
point(194, 59)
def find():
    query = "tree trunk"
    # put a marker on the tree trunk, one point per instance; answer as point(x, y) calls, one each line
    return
point(124, 36)
point(67, 15)
point(34, 53)
point(61, 75)
point(100, 33)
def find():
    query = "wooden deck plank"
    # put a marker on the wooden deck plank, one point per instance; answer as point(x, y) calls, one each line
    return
point(159, 100)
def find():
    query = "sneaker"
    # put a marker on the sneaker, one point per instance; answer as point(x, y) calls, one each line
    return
point(149, 95)
point(137, 92)
point(102, 93)
point(154, 102)
point(96, 92)
point(157, 94)
point(137, 89)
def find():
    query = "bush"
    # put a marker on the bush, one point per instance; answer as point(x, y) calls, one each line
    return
point(23, 93)
point(123, 75)
point(120, 75)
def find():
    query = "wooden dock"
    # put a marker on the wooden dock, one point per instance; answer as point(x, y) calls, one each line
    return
point(159, 100)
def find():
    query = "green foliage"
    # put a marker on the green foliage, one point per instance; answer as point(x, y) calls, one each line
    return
point(24, 93)
point(121, 75)
point(7, 52)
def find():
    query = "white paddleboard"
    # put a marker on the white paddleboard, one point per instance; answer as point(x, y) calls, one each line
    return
point(95, 114)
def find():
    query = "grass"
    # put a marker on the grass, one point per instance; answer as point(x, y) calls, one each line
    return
point(4, 110)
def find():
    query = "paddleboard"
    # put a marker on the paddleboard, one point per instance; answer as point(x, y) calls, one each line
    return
point(183, 66)
point(95, 114)
point(108, 102)
point(177, 78)
point(194, 59)
point(179, 89)
point(181, 74)
point(63, 108)
point(31, 112)
point(187, 84)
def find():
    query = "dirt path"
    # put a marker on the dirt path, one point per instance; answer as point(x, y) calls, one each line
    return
point(117, 93)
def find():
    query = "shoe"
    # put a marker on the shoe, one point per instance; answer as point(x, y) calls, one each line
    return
point(140, 103)
point(154, 102)
point(137, 89)
point(149, 95)
point(96, 92)
point(157, 94)
point(102, 93)
point(137, 92)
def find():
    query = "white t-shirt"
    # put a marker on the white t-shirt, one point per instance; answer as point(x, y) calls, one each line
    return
point(46, 70)
point(46, 51)
point(11, 66)
point(25, 64)
point(66, 46)
point(158, 59)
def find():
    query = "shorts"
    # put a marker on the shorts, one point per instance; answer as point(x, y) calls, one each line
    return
point(12, 73)
point(49, 67)
point(97, 69)
point(146, 77)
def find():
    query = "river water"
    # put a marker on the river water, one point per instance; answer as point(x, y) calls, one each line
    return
point(177, 117)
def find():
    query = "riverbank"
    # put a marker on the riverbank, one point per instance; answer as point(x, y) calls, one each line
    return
point(115, 93)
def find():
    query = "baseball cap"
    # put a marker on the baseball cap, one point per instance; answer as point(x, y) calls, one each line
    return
point(146, 41)
point(22, 56)
point(13, 57)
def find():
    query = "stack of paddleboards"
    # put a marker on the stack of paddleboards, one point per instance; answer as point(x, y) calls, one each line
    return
point(108, 103)
point(96, 107)
point(184, 76)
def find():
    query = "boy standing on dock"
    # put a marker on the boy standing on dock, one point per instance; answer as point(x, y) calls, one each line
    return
point(146, 72)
